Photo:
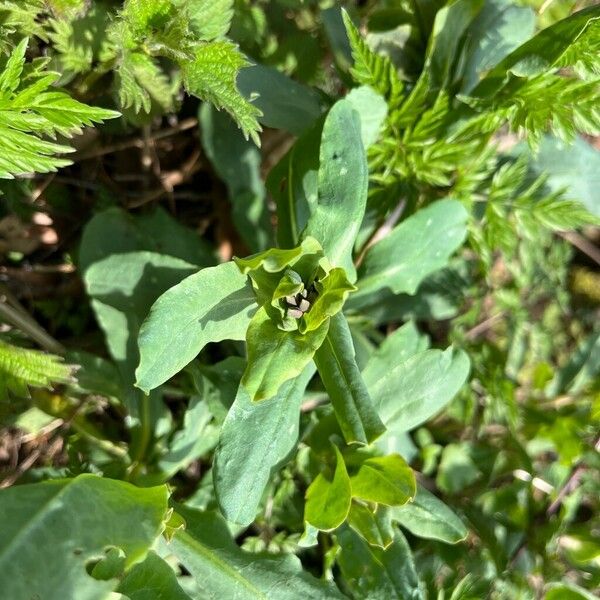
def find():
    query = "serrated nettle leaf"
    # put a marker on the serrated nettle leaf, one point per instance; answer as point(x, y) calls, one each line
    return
point(384, 480)
point(428, 517)
point(255, 438)
point(209, 19)
point(414, 249)
point(341, 377)
point(374, 526)
point(211, 76)
point(212, 305)
point(328, 500)
point(136, 517)
point(276, 356)
point(413, 391)
point(374, 573)
point(342, 184)
point(222, 570)
point(152, 578)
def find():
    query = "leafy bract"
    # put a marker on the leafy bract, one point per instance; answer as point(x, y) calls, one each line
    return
point(298, 291)
point(341, 377)
point(417, 247)
point(212, 305)
point(428, 517)
point(414, 390)
point(35, 518)
point(31, 110)
point(342, 185)
point(384, 480)
point(375, 527)
point(222, 570)
point(328, 501)
point(255, 437)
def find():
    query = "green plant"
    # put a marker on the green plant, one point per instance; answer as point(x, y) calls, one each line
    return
point(374, 374)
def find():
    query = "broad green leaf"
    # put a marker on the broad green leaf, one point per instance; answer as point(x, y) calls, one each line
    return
point(255, 438)
point(378, 574)
point(539, 53)
point(396, 348)
point(293, 183)
point(500, 27)
point(328, 501)
point(211, 76)
point(385, 480)
point(276, 356)
point(212, 305)
point(209, 19)
point(428, 517)
point(115, 231)
point(372, 109)
point(417, 247)
point(123, 288)
point(572, 167)
point(342, 184)
point(445, 40)
point(375, 527)
point(411, 392)
point(222, 570)
point(339, 372)
point(152, 579)
point(237, 162)
point(284, 103)
point(51, 530)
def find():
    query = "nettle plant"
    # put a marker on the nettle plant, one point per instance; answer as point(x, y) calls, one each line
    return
point(296, 402)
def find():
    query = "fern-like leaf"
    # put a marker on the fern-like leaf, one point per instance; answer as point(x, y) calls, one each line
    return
point(211, 76)
point(373, 69)
point(30, 109)
point(21, 368)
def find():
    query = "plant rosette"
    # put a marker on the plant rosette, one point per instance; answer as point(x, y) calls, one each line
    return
point(298, 291)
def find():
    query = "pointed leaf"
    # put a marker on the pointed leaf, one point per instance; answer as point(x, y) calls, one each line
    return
point(341, 377)
point(343, 179)
point(414, 249)
point(328, 502)
point(255, 437)
point(428, 517)
point(276, 356)
point(385, 480)
point(413, 391)
point(212, 305)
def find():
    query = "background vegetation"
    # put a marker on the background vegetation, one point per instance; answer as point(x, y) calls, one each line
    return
point(142, 143)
